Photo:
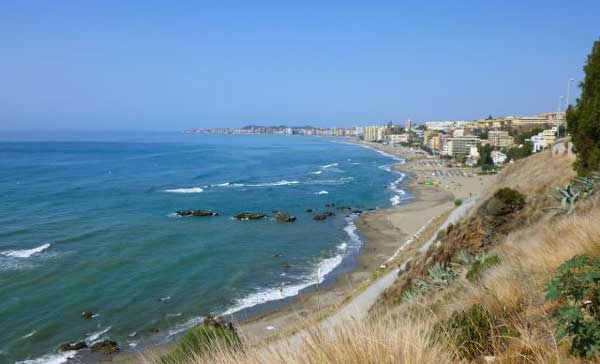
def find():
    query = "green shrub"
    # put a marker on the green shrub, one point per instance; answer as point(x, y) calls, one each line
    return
point(510, 197)
point(505, 201)
point(475, 332)
point(458, 202)
point(577, 287)
point(481, 264)
point(470, 331)
point(213, 334)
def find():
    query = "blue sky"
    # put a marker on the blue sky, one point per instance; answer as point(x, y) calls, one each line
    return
point(176, 65)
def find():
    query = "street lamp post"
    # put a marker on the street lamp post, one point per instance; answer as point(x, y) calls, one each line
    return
point(568, 101)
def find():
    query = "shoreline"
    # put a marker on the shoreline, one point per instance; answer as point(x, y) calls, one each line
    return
point(388, 235)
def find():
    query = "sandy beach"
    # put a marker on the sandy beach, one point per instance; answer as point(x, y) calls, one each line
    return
point(391, 236)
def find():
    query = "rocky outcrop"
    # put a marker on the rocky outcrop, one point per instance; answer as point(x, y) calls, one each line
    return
point(196, 213)
point(342, 208)
point(106, 347)
point(281, 217)
point(73, 345)
point(250, 216)
point(323, 216)
point(87, 314)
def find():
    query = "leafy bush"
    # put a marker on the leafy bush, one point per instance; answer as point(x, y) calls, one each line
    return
point(480, 264)
point(505, 201)
point(458, 202)
point(473, 332)
point(577, 287)
point(201, 340)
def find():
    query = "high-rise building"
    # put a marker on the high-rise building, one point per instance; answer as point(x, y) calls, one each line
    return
point(408, 125)
point(373, 133)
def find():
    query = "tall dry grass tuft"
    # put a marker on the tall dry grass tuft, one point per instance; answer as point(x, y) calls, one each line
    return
point(378, 341)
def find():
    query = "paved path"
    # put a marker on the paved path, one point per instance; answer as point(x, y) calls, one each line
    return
point(359, 306)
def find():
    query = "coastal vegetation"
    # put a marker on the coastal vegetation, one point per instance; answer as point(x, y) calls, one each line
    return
point(583, 120)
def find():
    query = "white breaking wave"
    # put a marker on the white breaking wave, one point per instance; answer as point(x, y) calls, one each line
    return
point(316, 172)
point(325, 267)
point(329, 165)
point(266, 184)
point(323, 192)
point(383, 153)
point(351, 231)
point(93, 337)
point(25, 253)
point(395, 200)
point(185, 190)
point(194, 321)
point(50, 358)
point(29, 335)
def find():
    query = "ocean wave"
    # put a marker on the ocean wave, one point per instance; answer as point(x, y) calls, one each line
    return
point(29, 335)
point(316, 172)
point(396, 158)
point(323, 192)
point(286, 183)
point(325, 267)
point(94, 336)
point(395, 200)
point(25, 253)
point(350, 230)
point(178, 329)
point(185, 190)
point(329, 165)
point(50, 358)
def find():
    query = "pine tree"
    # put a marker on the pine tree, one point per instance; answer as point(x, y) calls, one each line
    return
point(583, 120)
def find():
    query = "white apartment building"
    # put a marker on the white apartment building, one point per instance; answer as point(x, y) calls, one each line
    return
point(460, 146)
point(374, 133)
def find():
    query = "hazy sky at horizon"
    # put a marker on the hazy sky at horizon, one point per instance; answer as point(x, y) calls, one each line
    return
point(176, 65)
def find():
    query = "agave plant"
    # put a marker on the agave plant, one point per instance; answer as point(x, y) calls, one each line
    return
point(581, 188)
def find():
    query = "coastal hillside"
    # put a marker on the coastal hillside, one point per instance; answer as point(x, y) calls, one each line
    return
point(492, 288)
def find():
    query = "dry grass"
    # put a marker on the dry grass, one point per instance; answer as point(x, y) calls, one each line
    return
point(401, 340)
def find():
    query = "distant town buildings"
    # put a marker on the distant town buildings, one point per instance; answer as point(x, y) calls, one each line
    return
point(455, 139)
point(460, 146)
point(374, 133)
point(500, 139)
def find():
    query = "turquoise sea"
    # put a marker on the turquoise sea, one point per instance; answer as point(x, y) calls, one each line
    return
point(87, 224)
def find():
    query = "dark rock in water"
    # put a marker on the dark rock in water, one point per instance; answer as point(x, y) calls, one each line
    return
point(87, 314)
point(309, 210)
point(73, 345)
point(154, 329)
point(281, 217)
point(276, 255)
point(250, 216)
point(106, 347)
point(285, 266)
point(327, 205)
point(341, 208)
point(371, 209)
point(358, 212)
point(323, 216)
point(196, 213)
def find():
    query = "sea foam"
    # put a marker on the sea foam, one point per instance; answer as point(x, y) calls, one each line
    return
point(185, 190)
point(50, 358)
point(25, 253)
point(325, 267)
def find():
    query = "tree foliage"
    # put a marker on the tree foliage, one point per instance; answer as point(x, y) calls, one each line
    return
point(583, 120)
point(577, 288)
